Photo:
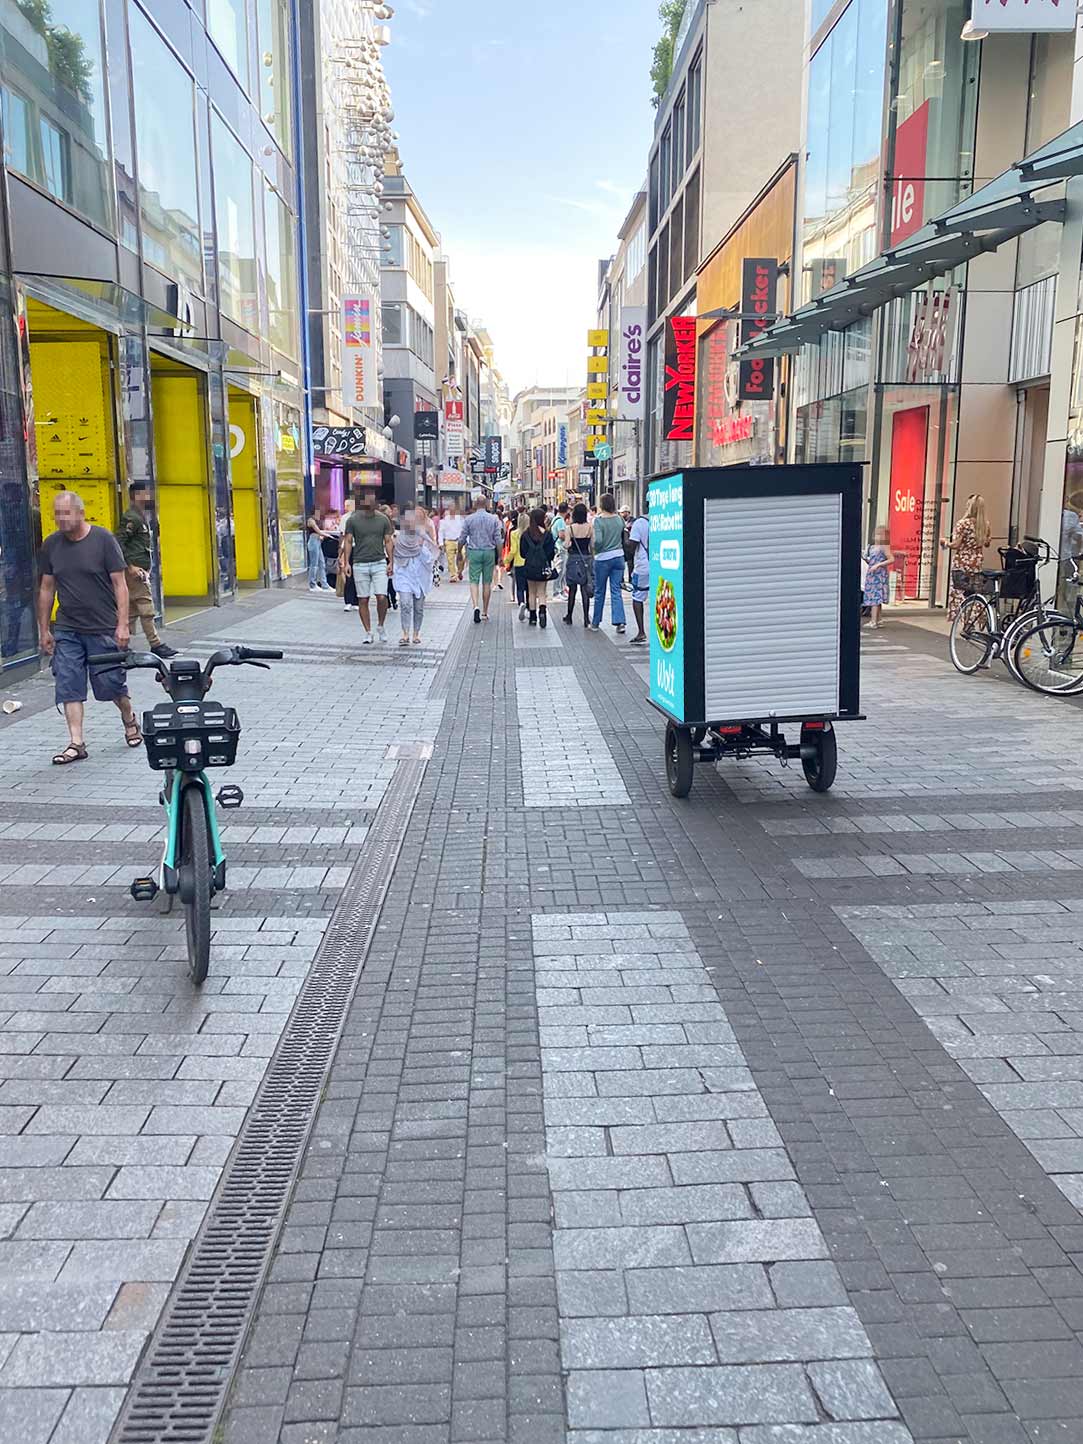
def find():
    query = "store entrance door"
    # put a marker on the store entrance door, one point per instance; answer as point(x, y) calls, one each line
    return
point(74, 415)
point(1030, 462)
point(182, 475)
point(249, 529)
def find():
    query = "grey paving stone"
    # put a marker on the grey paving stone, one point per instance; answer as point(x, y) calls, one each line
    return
point(45, 1360)
point(29, 1415)
point(754, 1394)
point(613, 1398)
point(702, 1289)
point(643, 1341)
point(89, 1416)
point(766, 1240)
point(852, 1389)
point(789, 1334)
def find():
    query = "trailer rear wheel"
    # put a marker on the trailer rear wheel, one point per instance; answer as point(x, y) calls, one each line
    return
point(819, 757)
point(679, 760)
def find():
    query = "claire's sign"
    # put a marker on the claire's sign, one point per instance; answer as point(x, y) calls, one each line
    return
point(630, 388)
point(759, 289)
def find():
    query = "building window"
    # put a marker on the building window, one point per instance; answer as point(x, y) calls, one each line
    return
point(55, 165)
point(665, 171)
point(845, 104)
point(17, 142)
point(691, 224)
point(676, 249)
point(665, 285)
point(52, 62)
point(281, 272)
point(394, 247)
point(652, 285)
point(166, 154)
point(273, 22)
point(236, 226)
point(654, 210)
point(419, 265)
point(227, 25)
point(678, 139)
point(392, 324)
point(636, 254)
point(695, 100)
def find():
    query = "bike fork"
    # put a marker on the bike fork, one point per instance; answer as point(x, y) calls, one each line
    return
point(173, 796)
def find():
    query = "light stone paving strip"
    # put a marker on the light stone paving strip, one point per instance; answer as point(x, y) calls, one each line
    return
point(1000, 985)
point(526, 638)
point(694, 1287)
point(557, 730)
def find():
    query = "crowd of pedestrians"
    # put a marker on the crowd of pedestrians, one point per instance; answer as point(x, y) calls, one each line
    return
point(548, 557)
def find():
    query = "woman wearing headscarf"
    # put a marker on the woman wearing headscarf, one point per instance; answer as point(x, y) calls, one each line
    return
point(415, 552)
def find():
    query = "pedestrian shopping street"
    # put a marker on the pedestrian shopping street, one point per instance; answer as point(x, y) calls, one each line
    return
point(598, 1116)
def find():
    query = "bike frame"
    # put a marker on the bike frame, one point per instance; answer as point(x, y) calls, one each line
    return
point(173, 800)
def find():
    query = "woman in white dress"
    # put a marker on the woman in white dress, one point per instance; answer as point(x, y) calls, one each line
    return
point(414, 554)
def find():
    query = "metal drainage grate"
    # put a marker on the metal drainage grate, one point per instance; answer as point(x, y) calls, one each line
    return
point(179, 1389)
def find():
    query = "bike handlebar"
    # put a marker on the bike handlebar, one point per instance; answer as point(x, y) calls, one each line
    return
point(234, 657)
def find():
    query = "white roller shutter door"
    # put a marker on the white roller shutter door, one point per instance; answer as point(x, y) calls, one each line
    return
point(771, 570)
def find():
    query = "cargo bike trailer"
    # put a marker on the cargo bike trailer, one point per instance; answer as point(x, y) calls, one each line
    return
point(755, 614)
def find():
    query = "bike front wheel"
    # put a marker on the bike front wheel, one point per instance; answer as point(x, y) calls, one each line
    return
point(972, 636)
point(195, 870)
point(1049, 659)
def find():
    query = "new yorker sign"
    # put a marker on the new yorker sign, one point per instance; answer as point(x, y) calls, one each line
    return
point(679, 402)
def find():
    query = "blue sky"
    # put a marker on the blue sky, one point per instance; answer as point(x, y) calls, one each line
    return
point(524, 129)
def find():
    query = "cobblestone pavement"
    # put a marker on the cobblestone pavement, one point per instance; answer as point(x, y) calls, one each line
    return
point(639, 1132)
point(122, 1089)
point(755, 1118)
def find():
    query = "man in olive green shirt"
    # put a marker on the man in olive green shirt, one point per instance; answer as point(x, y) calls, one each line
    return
point(368, 547)
point(134, 537)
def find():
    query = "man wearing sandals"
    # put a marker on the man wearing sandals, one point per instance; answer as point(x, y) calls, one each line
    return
point(85, 566)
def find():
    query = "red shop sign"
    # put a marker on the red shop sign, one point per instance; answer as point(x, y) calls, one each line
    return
point(679, 401)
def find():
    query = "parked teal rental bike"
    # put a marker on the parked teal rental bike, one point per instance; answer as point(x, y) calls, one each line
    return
point(183, 737)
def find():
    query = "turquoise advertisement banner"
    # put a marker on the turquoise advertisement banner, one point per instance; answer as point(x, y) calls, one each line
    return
point(665, 511)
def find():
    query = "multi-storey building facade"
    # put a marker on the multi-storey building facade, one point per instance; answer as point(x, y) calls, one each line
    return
point(724, 125)
point(408, 287)
point(149, 299)
point(345, 95)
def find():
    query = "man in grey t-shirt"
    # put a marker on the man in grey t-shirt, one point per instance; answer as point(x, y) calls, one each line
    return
point(483, 535)
point(84, 565)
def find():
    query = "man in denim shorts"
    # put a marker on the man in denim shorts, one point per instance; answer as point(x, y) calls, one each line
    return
point(85, 566)
point(367, 551)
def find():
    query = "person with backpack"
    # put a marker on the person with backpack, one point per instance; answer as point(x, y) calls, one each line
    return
point(538, 547)
point(640, 536)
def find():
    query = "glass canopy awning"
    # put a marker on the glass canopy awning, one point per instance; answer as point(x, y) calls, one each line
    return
point(996, 213)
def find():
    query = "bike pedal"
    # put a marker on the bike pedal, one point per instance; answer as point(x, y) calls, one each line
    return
point(229, 796)
point(144, 889)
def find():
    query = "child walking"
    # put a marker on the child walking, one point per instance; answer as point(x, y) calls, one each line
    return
point(880, 558)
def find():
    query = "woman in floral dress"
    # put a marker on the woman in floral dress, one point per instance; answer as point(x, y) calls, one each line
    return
point(968, 541)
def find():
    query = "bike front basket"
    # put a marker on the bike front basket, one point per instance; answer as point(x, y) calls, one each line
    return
point(189, 736)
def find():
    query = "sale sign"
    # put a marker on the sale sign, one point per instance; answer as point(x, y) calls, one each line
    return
point(908, 190)
point(909, 444)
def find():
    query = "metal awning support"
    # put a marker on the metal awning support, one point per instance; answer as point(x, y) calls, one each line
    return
point(1001, 210)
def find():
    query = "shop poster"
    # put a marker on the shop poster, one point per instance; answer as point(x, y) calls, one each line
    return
point(665, 511)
